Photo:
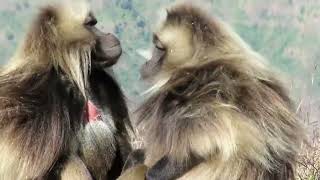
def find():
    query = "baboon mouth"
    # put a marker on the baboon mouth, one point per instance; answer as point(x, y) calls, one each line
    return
point(109, 57)
point(152, 66)
point(113, 52)
point(108, 50)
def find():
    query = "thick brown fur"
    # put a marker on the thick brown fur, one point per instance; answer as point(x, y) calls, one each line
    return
point(216, 110)
point(43, 93)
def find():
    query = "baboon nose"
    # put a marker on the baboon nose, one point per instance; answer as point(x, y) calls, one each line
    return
point(112, 40)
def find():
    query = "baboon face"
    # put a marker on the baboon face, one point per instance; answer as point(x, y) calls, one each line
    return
point(173, 49)
point(107, 49)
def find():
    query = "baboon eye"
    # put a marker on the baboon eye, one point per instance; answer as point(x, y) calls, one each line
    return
point(90, 20)
point(158, 43)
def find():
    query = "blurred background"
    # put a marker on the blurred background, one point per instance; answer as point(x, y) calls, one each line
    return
point(286, 32)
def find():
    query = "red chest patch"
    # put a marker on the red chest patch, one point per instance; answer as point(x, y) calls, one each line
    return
point(92, 112)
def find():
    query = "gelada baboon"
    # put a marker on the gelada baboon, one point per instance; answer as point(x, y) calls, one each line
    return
point(216, 110)
point(61, 115)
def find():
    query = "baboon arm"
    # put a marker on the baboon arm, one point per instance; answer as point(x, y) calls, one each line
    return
point(75, 169)
point(29, 151)
point(168, 168)
point(134, 173)
point(164, 169)
point(136, 157)
point(19, 163)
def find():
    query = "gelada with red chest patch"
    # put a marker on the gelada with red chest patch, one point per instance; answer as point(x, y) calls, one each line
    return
point(62, 115)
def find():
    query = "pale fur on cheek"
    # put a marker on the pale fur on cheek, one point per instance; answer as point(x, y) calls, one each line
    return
point(178, 44)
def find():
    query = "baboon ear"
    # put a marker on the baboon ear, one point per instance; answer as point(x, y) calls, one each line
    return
point(135, 173)
point(168, 13)
point(48, 15)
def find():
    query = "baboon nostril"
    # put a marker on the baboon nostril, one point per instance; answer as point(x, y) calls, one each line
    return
point(90, 21)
